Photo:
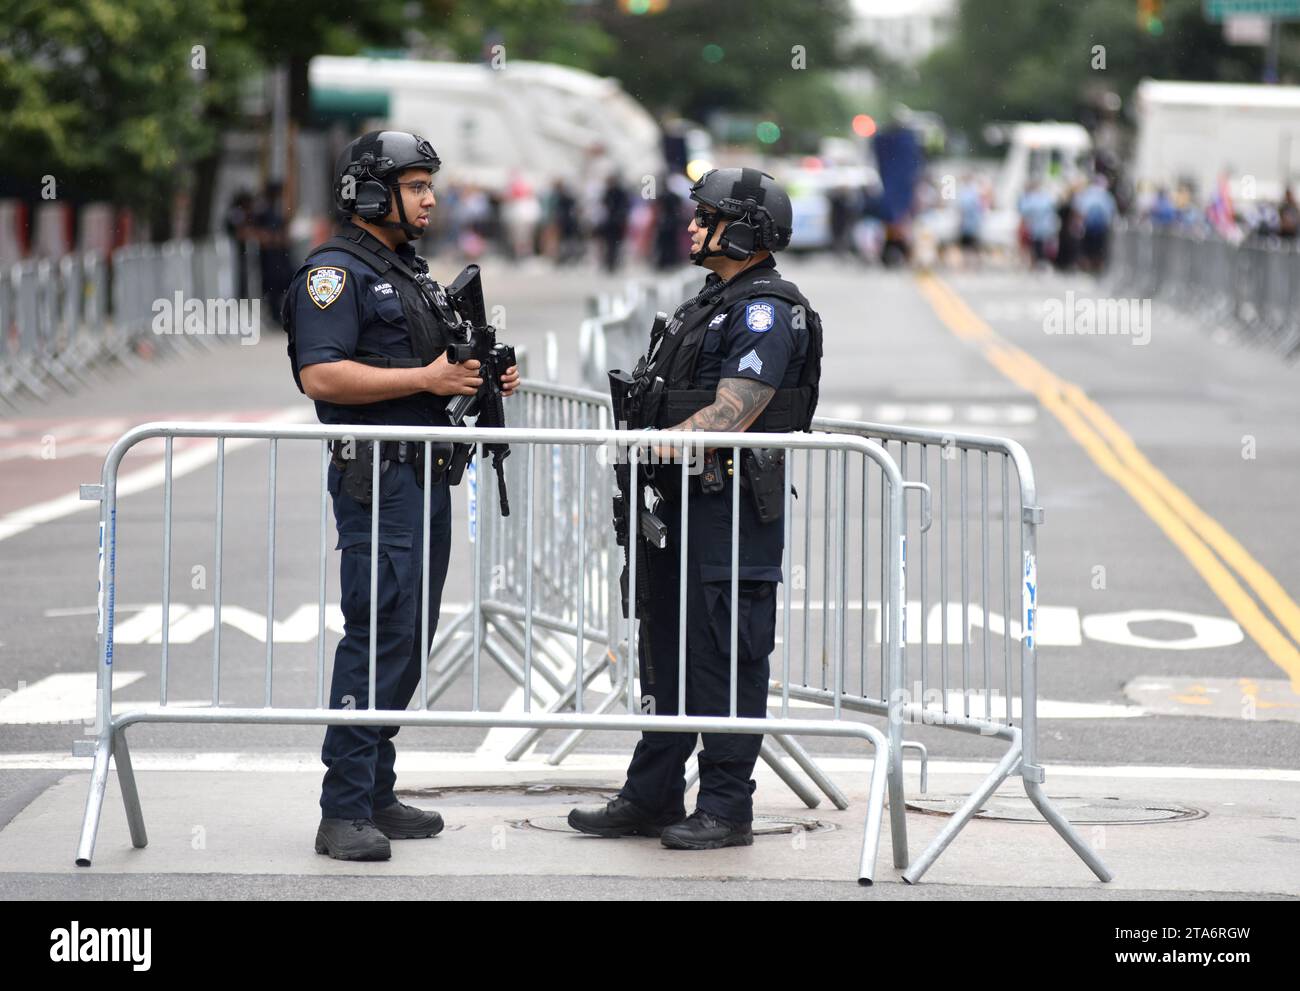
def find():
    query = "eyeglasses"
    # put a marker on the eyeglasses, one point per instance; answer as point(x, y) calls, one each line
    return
point(419, 187)
point(703, 217)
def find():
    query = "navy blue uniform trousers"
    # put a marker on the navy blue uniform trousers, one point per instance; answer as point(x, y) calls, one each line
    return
point(656, 780)
point(359, 759)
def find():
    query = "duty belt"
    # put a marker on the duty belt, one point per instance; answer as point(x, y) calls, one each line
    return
point(402, 451)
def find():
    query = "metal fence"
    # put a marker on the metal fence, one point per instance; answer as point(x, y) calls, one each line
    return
point(1251, 287)
point(964, 637)
point(878, 611)
point(63, 322)
point(534, 449)
point(614, 333)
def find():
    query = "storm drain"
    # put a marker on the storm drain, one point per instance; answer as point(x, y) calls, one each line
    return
point(1078, 810)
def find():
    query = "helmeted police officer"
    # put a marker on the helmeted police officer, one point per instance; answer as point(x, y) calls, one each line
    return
point(367, 333)
point(742, 355)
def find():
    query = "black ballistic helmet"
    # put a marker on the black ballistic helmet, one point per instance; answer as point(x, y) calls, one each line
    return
point(373, 163)
point(758, 211)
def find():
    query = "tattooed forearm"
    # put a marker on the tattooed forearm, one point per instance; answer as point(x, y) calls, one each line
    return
point(737, 405)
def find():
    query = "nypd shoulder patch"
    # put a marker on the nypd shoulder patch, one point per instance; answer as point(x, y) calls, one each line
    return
point(325, 284)
point(759, 317)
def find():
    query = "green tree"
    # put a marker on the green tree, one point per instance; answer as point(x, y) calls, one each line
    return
point(1042, 59)
point(104, 95)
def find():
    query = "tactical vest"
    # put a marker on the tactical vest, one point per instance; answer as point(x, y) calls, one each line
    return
point(429, 317)
point(677, 359)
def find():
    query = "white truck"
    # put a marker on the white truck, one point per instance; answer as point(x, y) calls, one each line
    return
point(532, 120)
point(1194, 133)
point(1050, 152)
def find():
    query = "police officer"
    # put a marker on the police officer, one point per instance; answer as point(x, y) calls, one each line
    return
point(367, 332)
point(743, 355)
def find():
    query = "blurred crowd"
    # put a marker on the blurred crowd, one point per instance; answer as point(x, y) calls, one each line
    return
point(607, 221)
point(1234, 218)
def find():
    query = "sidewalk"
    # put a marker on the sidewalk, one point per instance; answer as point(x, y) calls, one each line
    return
point(247, 822)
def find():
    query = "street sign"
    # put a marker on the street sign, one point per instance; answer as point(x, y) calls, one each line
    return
point(1281, 10)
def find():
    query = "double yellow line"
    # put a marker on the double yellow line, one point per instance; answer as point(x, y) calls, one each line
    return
point(1211, 550)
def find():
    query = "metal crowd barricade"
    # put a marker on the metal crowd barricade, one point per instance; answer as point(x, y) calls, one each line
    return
point(952, 673)
point(962, 665)
point(1250, 286)
point(844, 454)
point(571, 605)
point(614, 333)
point(62, 320)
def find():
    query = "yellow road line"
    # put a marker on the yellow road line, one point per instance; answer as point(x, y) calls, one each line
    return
point(1183, 522)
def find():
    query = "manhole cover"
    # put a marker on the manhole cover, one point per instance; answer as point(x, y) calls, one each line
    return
point(513, 795)
point(763, 825)
point(1078, 810)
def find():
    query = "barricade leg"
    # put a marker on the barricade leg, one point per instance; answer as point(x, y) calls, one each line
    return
point(130, 797)
point(930, 854)
point(94, 801)
point(438, 653)
point(1062, 825)
point(875, 811)
point(897, 803)
point(772, 756)
point(458, 657)
point(565, 701)
point(801, 757)
point(574, 738)
point(773, 759)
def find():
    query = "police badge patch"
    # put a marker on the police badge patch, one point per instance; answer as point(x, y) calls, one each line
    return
point(759, 317)
point(325, 284)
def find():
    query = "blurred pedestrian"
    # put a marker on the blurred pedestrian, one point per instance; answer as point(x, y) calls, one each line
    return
point(616, 204)
point(562, 221)
point(1095, 207)
point(668, 226)
point(1288, 217)
point(271, 231)
point(238, 223)
point(970, 206)
point(1038, 214)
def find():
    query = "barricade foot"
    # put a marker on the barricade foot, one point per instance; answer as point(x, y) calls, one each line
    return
point(810, 768)
point(773, 760)
point(94, 802)
point(1067, 832)
point(130, 797)
point(875, 813)
point(930, 854)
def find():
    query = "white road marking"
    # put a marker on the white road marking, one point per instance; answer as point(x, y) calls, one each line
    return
point(59, 698)
point(980, 415)
point(140, 480)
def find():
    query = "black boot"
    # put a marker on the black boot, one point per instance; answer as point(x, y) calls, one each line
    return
point(620, 818)
point(352, 839)
point(404, 822)
point(703, 831)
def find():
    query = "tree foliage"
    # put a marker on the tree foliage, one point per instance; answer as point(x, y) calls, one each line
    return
point(1043, 59)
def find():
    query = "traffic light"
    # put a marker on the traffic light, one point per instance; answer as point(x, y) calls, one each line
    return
point(1148, 16)
point(642, 6)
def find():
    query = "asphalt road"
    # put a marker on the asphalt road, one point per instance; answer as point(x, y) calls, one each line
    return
point(1156, 659)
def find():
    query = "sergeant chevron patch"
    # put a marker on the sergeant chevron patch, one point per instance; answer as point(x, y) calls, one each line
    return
point(325, 284)
point(752, 361)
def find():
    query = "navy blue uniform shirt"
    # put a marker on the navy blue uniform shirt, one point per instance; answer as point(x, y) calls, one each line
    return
point(760, 338)
point(340, 306)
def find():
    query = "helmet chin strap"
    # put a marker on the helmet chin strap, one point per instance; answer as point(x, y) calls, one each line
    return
point(698, 257)
point(411, 231)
